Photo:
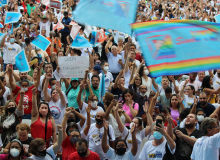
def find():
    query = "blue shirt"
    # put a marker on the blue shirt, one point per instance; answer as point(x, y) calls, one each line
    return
point(114, 66)
point(67, 22)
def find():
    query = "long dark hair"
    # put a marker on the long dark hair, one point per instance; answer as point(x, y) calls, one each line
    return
point(120, 140)
point(49, 113)
point(178, 105)
point(127, 91)
point(135, 87)
point(192, 88)
point(141, 71)
point(206, 82)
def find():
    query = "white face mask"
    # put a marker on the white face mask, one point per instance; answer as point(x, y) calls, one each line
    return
point(106, 68)
point(146, 72)
point(131, 124)
point(24, 89)
point(14, 152)
point(145, 94)
point(54, 86)
point(200, 118)
point(94, 104)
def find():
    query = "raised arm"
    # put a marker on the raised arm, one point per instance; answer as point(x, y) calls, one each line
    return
point(34, 112)
point(127, 63)
point(80, 116)
point(62, 98)
point(88, 123)
point(170, 128)
point(105, 146)
point(36, 84)
point(117, 79)
point(46, 94)
point(21, 101)
point(79, 101)
point(183, 88)
point(118, 119)
point(149, 119)
point(134, 147)
point(107, 45)
point(154, 83)
point(3, 89)
point(152, 104)
point(109, 109)
point(67, 112)
point(211, 74)
point(193, 110)
point(132, 79)
point(11, 82)
point(58, 143)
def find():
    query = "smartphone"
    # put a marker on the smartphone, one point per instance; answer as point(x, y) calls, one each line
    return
point(158, 121)
point(115, 97)
point(58, 84)
point(120, 98)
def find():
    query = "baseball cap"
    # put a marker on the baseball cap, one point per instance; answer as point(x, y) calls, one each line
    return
point(97, 68)
point(74, 79)
point(44, 17)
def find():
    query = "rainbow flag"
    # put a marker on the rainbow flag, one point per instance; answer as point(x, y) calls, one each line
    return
point(179, 46)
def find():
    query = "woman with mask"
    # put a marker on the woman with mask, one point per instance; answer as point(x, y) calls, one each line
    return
point(72, 135)
point(38, 147)
point(108, 76)
point(82, 105)
point(27, 105)
point(42, 122)
point(11, 118)
point(16, 151)
point(119, 153)
point(162, 144)
point(140, 134)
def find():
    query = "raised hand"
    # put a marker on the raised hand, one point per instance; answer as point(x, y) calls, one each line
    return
point(88, 109)
point(106, 125)
point(68, 111)
point(134, 129)
point(160, 129)
point(60, 128)
point(22, 93)
point(146, 107)
point(81, 85)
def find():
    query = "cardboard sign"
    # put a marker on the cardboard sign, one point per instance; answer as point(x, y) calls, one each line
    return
point(73, 66)
point(55, 4)
point(58, 26)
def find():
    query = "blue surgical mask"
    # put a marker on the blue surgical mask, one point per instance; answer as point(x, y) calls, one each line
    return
point(157, 135)
point(12, 40)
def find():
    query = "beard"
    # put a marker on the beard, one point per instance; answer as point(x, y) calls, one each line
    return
point(95, 87)
point(189, 126)
point(203, 103)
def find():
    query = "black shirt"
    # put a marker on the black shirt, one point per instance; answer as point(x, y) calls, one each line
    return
point(26, 143)
point(209, 109)
point(184, 149)
point(116, 91)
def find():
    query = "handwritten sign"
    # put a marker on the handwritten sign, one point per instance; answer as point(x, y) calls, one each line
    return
point(55, 4)
point(73, 66)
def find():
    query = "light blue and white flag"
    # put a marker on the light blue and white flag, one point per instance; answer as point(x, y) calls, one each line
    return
point(3, 2)
point(21, 62)
point(41, 42)
point(1, 26)
point(2, 35)
point(113, 14)
point(12, 17)
point(102, 88)
point(80, 42)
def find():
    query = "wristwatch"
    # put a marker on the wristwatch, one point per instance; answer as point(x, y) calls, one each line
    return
point(123, 111)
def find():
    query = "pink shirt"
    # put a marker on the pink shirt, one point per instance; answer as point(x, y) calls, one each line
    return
point(127, 110)
point(174, 114)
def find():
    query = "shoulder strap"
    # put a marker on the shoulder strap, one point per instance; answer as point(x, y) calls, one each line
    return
point(49, 154)
point(126, 136)
point(46, 130)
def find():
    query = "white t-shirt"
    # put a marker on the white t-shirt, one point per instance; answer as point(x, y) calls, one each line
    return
point(139, 135)
point(150, 152)
point(188, 101)
point(95, 139)
point(114, 124)
point(148, 84)
point(92, 113)
point(206, 148)
point(6, 94)
point(85, 51)
point(127, 78)
point(47, 157)
point(108, 80)
point(195, 84)
point(216, 82)
point(49, 91)
point(11, 51)
point(113, 156)
point(57, 111)
point(45, 26)
point(137, 62)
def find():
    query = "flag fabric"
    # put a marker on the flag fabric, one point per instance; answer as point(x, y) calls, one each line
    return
point(1, 26)
point(102, 88)
point(113, 14)
point(74, 31)
point(179, 46)
point(3, 2)
point(217, 18)
point(21, 62)
point(12, 17)
point(41, 42)
point(101, 36)
point(80, 42)
point(2, 35)
point(93, 38)
point(58, 26)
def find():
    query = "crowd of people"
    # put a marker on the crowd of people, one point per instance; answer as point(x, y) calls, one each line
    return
point(44, 117)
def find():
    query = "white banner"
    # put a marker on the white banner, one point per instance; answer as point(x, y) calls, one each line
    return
point(73, 66)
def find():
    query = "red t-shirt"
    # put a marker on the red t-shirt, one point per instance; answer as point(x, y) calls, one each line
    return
point(27, 105)
point(92, 156)
point(138, 57)
point(68, 148)
point(166, 123)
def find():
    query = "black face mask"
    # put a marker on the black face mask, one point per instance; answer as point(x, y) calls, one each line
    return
point(31, 4)
point(42, 153)
point(11, 110)
point(218, 74)
point(70, 120)
point(99, 121)
point(82, 154)
point(120, 151)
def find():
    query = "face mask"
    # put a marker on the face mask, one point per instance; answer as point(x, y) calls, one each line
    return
point(146, 72)
point(131, 124)
point(70, 120)
point(94, 104)
point(143, 94)
point(99, 121)
point(31, 4)
point(42, 153)
point(120, 151)
point(12, 40)
point(54, 86)
point(24, 89)
point(82, 154)
point(106, 68)
point(14, 152)
point(11, 109)
point(157, 135)
point(74, 140)
point(200, 118)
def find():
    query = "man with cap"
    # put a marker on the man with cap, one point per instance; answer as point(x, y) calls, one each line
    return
point(45, 23)
point(66, 31)
point(97, 70)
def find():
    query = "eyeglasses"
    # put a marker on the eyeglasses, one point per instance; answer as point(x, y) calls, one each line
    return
point(214, 127)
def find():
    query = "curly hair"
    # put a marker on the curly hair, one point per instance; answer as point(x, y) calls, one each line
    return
point(35, 144)
point(207, 123)
point(206, 82)
point(23, 126)
point(6, 109)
